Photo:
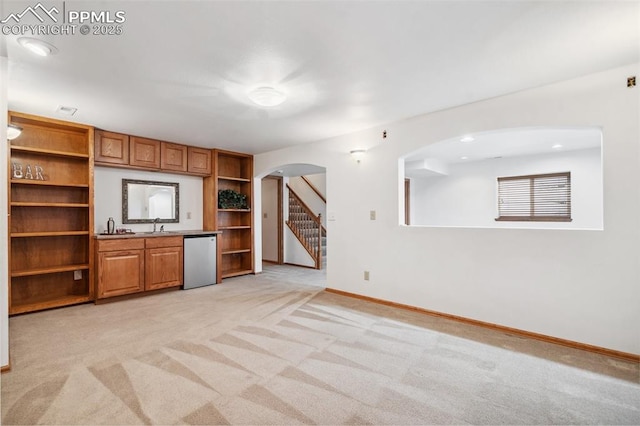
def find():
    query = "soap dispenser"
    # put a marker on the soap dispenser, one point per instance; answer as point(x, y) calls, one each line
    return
point(111, 226)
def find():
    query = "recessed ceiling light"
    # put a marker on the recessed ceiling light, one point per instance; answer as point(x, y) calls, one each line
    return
point(464, 158)
point(556, 146)
point(37, 47)
point(66, 110)
point(467, 138)
point(267, 96)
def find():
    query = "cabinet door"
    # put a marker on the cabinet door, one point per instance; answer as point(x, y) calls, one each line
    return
point(163, 267)
point(199, 161)
point(173, 157)
point(144, 152)
point(111, 148)
point(120, 272)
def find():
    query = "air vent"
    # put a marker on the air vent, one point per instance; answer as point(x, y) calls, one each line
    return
point(66, 110)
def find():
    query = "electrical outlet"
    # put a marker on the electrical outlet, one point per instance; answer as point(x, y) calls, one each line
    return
point(77, 275)
point(372, 215)
point(188, 215)
point(366, 275)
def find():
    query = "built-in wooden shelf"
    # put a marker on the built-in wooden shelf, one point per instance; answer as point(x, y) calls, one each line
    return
point(231, 171)
point(29, 204)
point(51, 220)
point(48, 234)
point(236, 272)
point(236, 179)
point(51, 270)
point(48, 183)
point(17, 308)
point(227, 252)
point(49, 152)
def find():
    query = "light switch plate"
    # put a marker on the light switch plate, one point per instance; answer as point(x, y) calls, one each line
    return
point(366, 275)
point(372, 215)
point(77, 275)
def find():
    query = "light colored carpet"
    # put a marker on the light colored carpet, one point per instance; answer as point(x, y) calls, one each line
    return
point(276, 349)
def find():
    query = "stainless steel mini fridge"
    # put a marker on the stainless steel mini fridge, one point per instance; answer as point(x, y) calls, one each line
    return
point(199, 260)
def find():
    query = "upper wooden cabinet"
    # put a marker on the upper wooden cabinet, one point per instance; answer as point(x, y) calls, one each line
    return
point(144, 152)
point(173, 157)
point(112, 148)
point(120, 150)
point(199, 161)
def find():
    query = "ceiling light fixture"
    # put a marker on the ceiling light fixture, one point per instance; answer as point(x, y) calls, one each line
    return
point(357, 154)
point(556, 146)
point(464, 158)
point(13, 131)
point(267, 96)
point(467, 138)
point(37, 47)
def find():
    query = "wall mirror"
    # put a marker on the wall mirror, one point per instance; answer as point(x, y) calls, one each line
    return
point(146, 201)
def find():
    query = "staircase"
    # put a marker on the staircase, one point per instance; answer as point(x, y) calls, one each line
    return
point(308, 228)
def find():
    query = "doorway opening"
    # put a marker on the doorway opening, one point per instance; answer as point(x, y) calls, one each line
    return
point(293, 217)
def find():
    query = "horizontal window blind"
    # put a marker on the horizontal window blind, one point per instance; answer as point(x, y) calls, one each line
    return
point(544, 197)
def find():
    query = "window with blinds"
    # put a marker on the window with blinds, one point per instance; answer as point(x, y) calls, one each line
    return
point(544, 198)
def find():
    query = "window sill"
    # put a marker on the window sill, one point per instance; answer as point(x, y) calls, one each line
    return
point(532, 219)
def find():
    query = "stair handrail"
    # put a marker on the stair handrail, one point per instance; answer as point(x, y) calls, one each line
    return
point(318, 218)
point(313, 187)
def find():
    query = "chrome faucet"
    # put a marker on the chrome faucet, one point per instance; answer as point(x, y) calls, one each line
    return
point(155, 222)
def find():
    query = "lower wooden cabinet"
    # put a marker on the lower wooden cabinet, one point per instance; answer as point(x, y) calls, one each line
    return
point(121, 272)
point(134, 265)
point(164, 263)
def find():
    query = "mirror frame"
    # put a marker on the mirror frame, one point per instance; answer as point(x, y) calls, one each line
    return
point(125, 201)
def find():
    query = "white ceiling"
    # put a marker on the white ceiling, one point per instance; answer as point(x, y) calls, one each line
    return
point(510, 143)
point(434, 159)
point(181, 69)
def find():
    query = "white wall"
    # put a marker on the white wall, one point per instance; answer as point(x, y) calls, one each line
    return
point(308, 195)
point(108, 198)
point(294, 252)
point(467, 196)
point(4, 225)
point(512, 277)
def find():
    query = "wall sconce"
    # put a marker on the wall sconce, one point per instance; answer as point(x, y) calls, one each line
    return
point(13, 131)
point(358, 154)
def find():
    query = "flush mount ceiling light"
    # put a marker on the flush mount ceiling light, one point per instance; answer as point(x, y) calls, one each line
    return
point(467, 138)
point(37, 47)
point(556, 146)
point(464, 157)
point(357, 154)
point(267, 96)
point(13, 131)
